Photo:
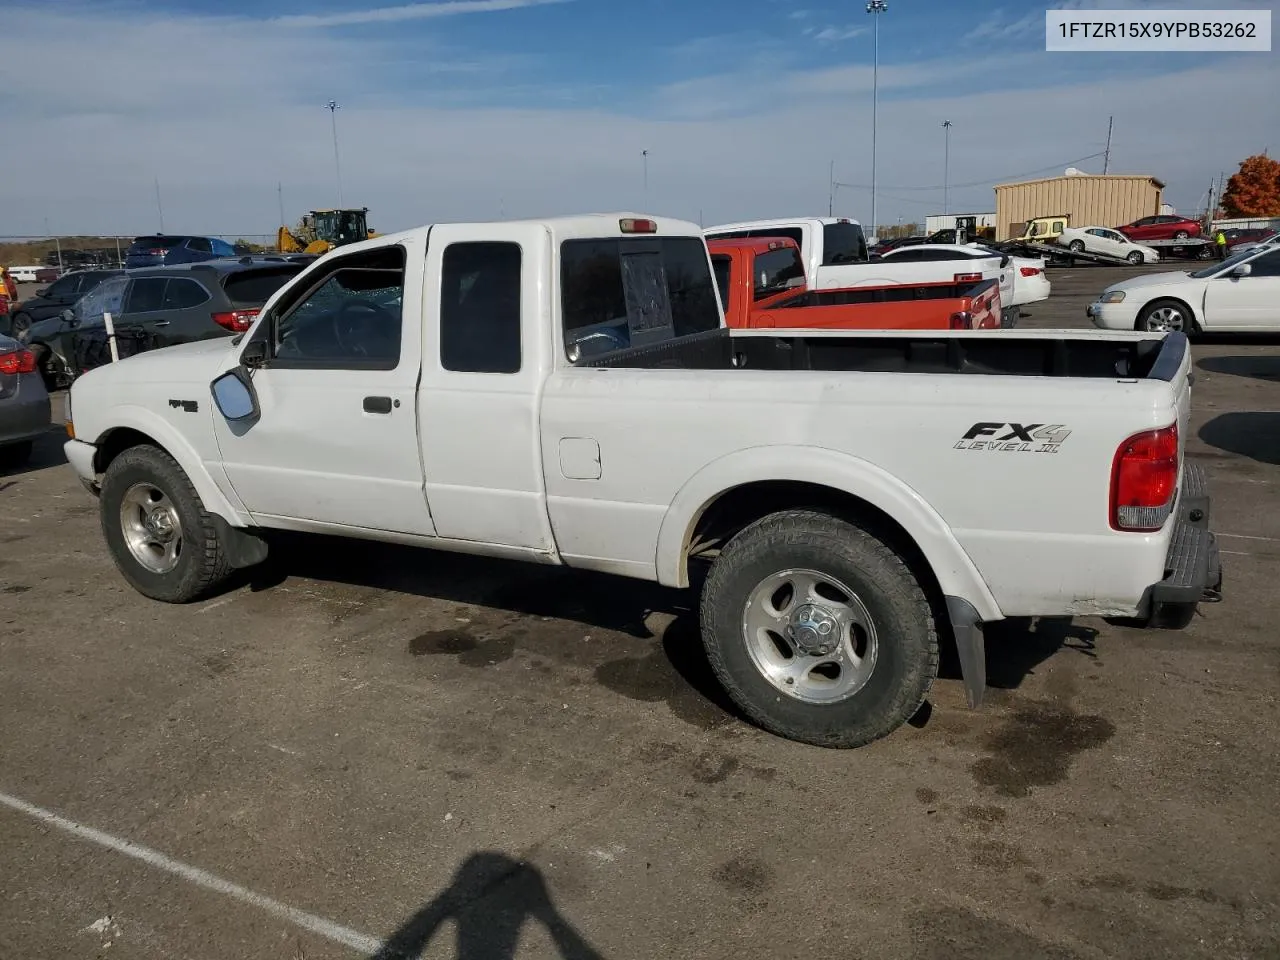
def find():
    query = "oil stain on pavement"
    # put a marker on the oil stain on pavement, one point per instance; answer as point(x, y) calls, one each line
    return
point(1035, 748)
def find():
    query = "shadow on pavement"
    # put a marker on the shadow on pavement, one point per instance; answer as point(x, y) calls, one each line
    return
point(1237, 339)
point(1258, 367)
point(1255, 435)
point(1015, 647)
point(47, 452)
point(489, 900)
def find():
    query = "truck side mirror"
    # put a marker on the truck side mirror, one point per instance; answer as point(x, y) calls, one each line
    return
point(234, 396)
point(1242, 270)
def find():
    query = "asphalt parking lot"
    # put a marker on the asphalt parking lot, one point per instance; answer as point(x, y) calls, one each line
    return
point(375, 751)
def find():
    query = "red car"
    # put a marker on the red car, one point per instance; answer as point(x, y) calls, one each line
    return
point(1162, 227)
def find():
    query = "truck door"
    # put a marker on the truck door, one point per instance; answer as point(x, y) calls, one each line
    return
point(485, 335)
point(336, 441)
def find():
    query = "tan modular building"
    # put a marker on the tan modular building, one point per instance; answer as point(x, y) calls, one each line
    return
point(1090, 200)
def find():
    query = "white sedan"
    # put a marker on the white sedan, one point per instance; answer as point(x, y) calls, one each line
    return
point(1109, 243)
point(1238, 295)
point(1022, 279)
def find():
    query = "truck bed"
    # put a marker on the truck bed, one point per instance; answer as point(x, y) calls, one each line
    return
point(1002, 354)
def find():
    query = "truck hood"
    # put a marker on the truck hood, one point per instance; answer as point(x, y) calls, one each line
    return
point(197, 362)
point(1149, 280)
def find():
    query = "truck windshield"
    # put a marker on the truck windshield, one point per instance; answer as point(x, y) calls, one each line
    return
point(776, 271)
point(843, 243)
point(634, 291)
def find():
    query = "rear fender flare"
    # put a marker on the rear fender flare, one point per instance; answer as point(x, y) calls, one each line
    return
point(951, 565)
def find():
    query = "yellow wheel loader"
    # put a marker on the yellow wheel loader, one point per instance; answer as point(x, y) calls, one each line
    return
point(322, 230)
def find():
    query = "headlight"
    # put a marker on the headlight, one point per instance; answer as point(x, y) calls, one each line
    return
point(1112, 296)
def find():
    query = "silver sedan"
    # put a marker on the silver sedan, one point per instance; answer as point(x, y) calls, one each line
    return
point(24, 403)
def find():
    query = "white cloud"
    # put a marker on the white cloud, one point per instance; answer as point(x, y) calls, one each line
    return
point(409, 11)
point(835, 34)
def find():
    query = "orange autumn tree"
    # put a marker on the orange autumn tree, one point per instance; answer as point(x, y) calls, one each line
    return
point(1254, 191)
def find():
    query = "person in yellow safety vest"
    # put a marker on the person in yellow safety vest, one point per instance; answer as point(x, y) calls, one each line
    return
point(1221, 240)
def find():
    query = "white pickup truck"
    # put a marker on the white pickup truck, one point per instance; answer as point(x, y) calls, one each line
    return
point(565, 392)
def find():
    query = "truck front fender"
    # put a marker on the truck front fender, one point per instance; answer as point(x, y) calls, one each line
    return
point(142, 420)
point(956, 574)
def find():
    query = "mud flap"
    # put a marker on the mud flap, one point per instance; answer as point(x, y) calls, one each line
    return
point(970, 645)
point(243, 549)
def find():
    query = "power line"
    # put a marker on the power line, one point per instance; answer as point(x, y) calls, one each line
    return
point(978, 183)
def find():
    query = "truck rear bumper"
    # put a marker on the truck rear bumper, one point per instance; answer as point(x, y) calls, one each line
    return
point(1193, 565)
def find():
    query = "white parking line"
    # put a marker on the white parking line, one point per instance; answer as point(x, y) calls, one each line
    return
point(1246, 536)
point(201, 878)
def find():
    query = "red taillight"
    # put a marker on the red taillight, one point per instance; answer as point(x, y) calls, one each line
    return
point(632, 225)
point(1030, 271)
point(966, 278)
point(237, 321)
point(19, 361)
point(1144, 478)
point(962, 320)
point(157, 253)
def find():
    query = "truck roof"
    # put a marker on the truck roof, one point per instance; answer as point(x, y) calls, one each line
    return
point(754, 244)
point(783, 222)
point(560, 228)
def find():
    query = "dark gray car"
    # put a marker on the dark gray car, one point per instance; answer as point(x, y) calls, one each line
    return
point(159, 307)
point(24, 403)
point(55, 298)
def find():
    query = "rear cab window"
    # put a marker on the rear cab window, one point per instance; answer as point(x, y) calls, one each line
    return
point(634, 291)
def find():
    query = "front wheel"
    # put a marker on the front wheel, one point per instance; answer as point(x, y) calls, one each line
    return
point(159, 535)
point(1167, 316)
point(818, 631)
point(1180, 235)
point(1076, 246)
point(1136, 258)
point(19, 324)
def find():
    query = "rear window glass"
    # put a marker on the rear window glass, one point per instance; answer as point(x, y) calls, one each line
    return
point(843, 243)
point(776, 271)
point(155, 243)
point(634, 291)
point(255, 287)
point(182, 294)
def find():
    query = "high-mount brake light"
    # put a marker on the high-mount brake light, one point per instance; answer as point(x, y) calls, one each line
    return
point(1144, 479)
point(635, 225)
point(966, 278)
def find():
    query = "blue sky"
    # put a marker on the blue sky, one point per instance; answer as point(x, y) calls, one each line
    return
point(483, 108)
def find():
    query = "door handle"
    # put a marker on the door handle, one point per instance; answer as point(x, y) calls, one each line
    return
point(377, 404)
point(160, 323)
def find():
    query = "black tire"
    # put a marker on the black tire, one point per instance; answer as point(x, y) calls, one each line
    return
point(1076, 246)
point(1204, 253)
point(1181, 235)
point(1136, 258)
point(15, 454)
point(907, 654)
point(1188, 326)
point(19, 323)
point(202, 564)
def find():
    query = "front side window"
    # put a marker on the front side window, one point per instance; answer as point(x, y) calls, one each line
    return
point(105, 297)
point(200, 245)
point(1267, 265)
point(776, 271)
point(480, 308)
point(722, 267)
point(222, 248)
point(634, 291)
point(841, 243)
point(146, 295)
point(350, 318)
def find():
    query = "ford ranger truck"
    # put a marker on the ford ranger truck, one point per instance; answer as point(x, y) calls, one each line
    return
point(566, 392)
point(762, 284)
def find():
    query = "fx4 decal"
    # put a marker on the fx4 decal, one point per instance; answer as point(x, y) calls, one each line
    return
point(1014, 437)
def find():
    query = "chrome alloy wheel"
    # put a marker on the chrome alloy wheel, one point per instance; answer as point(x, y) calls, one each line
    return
point(151, 526)
point(810, 636)
point(1166, 320)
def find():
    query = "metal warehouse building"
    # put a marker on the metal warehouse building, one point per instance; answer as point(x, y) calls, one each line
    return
point(1091, 200)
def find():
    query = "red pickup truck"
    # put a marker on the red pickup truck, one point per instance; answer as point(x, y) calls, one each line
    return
point(762, 284)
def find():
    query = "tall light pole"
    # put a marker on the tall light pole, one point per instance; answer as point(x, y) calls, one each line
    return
point(333, 106)
point(644, 156)
point(946, 167)
point(875, 8)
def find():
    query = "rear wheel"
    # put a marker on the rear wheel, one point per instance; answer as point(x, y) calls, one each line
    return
point(1204, 253)
point(19, 325)
point(1136, 258)
point(1167, 316)
point(1077, 246)
point(160, 537)
point(1181, 235)
point(818, 631)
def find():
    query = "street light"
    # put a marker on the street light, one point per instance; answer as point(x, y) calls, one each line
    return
point(875, 8)
point(946, 166)
point(333, 107)
point(644, 155)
